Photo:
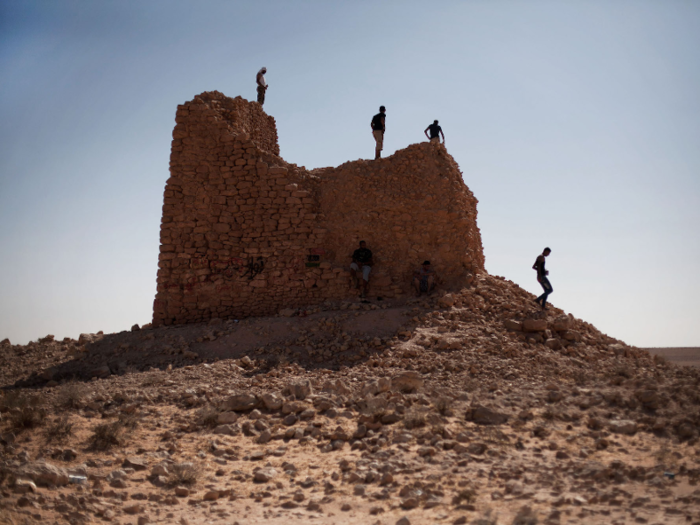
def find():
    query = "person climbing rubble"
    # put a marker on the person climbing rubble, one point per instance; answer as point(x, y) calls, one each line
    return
point(361, 262)
point(424, 278)
point(262, 85)
point(542, 278)
point(378, 126)
point(435, 132)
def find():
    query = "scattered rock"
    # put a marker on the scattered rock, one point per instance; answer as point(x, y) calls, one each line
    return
point(485, 416)
point(264, 475)
point(623, 426)
point(407, 382)
point(241, 402)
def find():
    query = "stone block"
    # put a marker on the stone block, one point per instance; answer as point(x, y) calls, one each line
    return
point(534, 325)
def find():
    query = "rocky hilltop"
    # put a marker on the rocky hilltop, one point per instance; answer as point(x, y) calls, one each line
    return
point(470, 406)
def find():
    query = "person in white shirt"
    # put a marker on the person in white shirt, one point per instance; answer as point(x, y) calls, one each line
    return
point(262, 85)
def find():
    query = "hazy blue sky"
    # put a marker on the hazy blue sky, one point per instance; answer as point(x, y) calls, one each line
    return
point(576, 124)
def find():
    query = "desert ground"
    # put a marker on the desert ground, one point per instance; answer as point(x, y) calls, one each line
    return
point(683, 356)
point(472, 407)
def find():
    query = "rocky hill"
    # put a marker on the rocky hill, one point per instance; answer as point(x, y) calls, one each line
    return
point(469, 406)
point(472, 407)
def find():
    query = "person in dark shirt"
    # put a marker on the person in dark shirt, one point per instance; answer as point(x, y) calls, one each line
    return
point(361, 261)
point(424, 279)
point(435, 132)
point(542, 278)
point(378, 127)
point(262, 85)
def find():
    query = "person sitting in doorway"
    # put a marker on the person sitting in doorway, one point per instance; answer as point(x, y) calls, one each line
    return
point(361, 262)
point(424, 279)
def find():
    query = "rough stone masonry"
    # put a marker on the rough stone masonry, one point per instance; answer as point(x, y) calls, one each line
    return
point(245, 233)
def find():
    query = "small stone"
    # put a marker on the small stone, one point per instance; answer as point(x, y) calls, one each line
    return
point(446, 300)
point(212, 495)
point(300, 389)
point(182, 492)
point(133, 509)
point(485, 416)
point(534, 325)
point(118, 484)
point(240, 402)
point(159, 470)
point(23, 486)
point(513, 326)
point(409, 503)
point(264, 475)
point(476, 448)
point(403, 521)
point(623, 426)
point(290, 420)
point(228, 430)
point(272, 401)
point(135, 463)
point(407, 382)
point(264, 437)
point(227, 418)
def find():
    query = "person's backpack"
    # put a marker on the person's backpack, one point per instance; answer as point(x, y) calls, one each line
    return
point(377, 122)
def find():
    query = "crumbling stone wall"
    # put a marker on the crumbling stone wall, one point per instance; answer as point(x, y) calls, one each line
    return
point(245, 233)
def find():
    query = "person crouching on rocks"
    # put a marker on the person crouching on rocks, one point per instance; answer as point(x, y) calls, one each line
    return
point(361, 261)
point(424, 278)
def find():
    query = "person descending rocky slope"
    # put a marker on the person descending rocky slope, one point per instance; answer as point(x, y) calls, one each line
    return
point(468, 407)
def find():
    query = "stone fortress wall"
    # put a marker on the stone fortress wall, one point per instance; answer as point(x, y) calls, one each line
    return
point(245, 233)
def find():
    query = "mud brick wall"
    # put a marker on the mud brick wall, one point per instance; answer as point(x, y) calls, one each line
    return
point(245, 233)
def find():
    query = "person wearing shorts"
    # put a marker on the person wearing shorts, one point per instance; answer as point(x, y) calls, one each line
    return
point(361, 262)
point(424, 279)
point(542, 278)
point(435, 132)
point(378, 126)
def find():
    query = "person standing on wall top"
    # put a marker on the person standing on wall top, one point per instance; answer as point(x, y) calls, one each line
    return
point(378, 127)
point(361, 262)
point(435, 132)
point(542, 278)
point(262, 85)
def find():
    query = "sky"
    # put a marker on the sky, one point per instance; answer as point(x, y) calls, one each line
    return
point(576, 124)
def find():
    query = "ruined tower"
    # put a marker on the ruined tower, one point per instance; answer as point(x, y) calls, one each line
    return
point(245, 233)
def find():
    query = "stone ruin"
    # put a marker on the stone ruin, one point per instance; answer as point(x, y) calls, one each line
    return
point(245, 233)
